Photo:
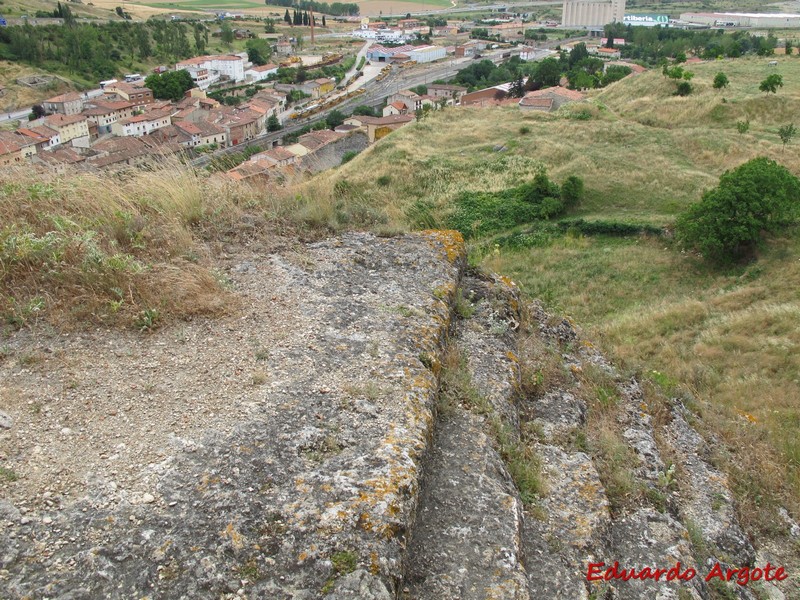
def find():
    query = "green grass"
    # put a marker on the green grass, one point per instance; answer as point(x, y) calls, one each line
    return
point(8, 475)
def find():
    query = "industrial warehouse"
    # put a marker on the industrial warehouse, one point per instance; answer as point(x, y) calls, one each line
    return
point(731, 19)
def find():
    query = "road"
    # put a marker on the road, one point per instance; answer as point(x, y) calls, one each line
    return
point(24, 112)
point(361, 54)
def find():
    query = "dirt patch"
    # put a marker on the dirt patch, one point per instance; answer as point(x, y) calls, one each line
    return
point(96, 409)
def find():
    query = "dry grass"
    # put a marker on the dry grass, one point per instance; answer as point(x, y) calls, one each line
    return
point(109, 249)
point(18, 95)
point(726, 341)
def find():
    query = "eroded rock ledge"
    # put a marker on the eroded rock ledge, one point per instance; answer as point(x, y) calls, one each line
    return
point(308, 453)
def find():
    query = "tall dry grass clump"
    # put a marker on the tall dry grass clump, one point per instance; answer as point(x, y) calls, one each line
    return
point(111, 248)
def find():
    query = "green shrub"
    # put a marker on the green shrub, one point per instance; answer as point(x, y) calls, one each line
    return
point(348, 156)
point(730, 221)
point(572, 191)
point(483, 213)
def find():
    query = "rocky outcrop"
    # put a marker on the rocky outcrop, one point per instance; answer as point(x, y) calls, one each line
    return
point(357, 467)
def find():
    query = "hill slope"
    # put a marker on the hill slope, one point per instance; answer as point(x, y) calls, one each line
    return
point(724, 340)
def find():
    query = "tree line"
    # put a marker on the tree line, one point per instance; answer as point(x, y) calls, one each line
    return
point(653, 45)
point(301, 18)
point(98, 50)
point(581, 70)
point(337, 9)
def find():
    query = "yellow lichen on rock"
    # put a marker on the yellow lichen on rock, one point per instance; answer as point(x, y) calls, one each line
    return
point(452, 242)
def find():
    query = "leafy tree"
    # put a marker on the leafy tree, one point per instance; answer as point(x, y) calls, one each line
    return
point(789, 47)
point(273, 124)
point(676, 72)
point(517, 89)
point(730, 221)
point(199, 40)
point(548, 73)
point(171, 85)
point(577, 54)
point(422, 113)
point(614, 73)
point(37, 112)
point(365, 111)
point(269, 25)
point(720, 81)
point(334, 119)
point(286, 16)
point(786, 133)
point(610, 41)
point(771, 83)
point(226, 33)
point(258, 51)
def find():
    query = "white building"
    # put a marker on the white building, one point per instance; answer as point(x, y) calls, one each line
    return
point(592, 13)
point(424, 54)
point(218, 66)
point(259, 73)
point(392, 36)
point(140, 125)
point(732, 19)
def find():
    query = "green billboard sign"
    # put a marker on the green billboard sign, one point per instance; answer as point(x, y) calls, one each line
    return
point(646, 20)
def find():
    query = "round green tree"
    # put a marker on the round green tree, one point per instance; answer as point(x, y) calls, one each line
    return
point(729, 223)
point(720, 81)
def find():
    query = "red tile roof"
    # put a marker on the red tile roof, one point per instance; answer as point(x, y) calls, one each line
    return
point(198, 60)
point(68, 97)
point(63, 120)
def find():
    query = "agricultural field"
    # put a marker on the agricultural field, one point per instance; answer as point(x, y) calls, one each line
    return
point(252, 7)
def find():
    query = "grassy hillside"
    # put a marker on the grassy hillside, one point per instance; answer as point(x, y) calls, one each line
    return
point(18, 95)
point(644, 153)
point(726, 340)
point(75, 248)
